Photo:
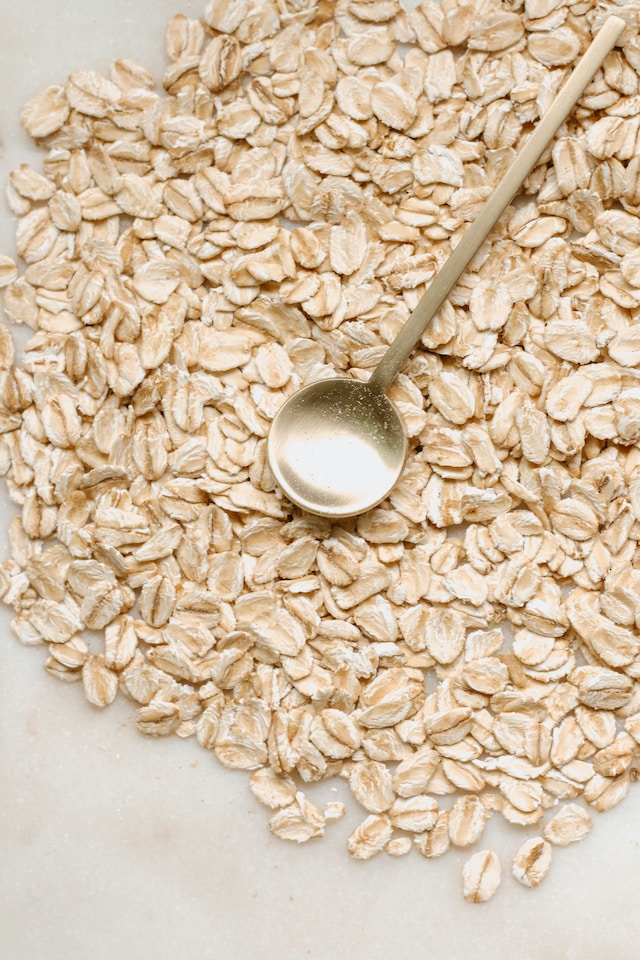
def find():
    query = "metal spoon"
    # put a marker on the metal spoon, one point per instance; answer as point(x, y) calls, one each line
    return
point(338, 446)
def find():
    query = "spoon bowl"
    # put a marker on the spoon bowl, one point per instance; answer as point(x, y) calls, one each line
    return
point(337, 447)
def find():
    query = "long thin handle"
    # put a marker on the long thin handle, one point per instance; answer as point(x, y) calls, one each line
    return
point(399, 351)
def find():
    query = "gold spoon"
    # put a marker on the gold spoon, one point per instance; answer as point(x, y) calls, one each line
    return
point(338, 446)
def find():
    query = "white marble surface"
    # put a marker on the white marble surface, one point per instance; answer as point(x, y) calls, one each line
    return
point(115, 846)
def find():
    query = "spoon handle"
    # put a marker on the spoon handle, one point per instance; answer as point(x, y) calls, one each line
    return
point(524, 161)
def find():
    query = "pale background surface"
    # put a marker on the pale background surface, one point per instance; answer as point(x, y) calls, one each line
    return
point(116, 846)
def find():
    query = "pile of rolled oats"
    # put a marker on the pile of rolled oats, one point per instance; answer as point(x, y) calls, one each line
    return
point(194, 255)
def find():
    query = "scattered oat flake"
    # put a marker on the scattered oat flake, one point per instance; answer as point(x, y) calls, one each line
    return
point(189, 255)
point(300, 820)
point(531, 862)
point(370, 837)
point(570, 824)
point(481, 876)
point(8, 271)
